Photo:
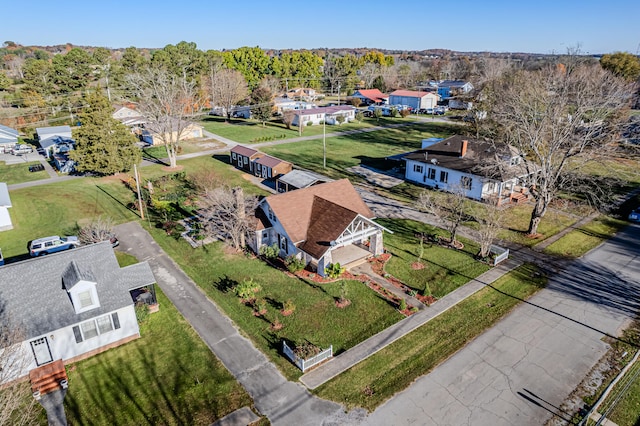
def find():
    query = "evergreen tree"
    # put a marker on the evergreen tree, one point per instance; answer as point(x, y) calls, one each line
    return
point(103, 144)
point(261, 99)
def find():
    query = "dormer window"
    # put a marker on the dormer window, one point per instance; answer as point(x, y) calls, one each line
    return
point(85, 300)
point(81, 287)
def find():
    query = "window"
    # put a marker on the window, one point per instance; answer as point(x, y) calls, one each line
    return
point(417, 168)
point(233, 155)
point(271, 215)
point(246, 160)
point(444, 177)
point(465, 182)
point(95, 327)
point(283, 243)
point(89, 329)
point(432, 173)
point(514, 161)
point(85, 299)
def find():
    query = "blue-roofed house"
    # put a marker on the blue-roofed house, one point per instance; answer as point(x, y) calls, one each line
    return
point(73, 304)
point(450, 88)
point(8, 138)
point(55, 139)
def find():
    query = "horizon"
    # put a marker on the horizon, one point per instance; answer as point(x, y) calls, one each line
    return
point(498, 26)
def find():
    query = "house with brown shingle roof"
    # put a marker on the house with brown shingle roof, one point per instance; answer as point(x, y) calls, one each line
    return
point(242, 157)
point(482, 170)
point(322, 225)
point(268, 167)
point(371, 96)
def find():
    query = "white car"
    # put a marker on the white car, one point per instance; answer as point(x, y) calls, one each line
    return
point(19, 149)
point(48, 245)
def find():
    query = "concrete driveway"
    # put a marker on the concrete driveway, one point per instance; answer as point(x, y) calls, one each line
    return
point(520, 371)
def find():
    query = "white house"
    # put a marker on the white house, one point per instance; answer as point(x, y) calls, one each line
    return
point(8, 138)
point(5, 203)
point(128, 116)
point(73, 304)
point(327, 114)
point(280, 105)
point(56, 139)
point(474, 166)
point(323, 224)
point(414, 99)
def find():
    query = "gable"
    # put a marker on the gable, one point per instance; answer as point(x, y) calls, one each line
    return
point(327, 222)
point(293, 209)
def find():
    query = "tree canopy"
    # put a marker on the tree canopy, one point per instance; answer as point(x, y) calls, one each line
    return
point(622, 64)
point(103, 144)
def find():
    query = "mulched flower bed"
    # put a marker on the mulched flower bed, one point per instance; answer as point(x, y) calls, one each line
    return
point(377, 264)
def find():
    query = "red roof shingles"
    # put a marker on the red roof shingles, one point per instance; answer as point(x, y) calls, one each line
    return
point(270, 161)
point(244, 151)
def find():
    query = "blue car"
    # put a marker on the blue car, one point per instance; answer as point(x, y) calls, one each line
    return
point(48, 245)
point(634, 216)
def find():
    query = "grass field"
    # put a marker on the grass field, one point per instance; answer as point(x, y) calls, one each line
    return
point(444, 269)
point(251, 131)
point(151, 381)
point(395, 367)
point(580, 241)
point(17, 173)
point(369, 148)
point(316, 318)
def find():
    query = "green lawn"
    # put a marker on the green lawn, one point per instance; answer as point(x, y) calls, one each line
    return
point(369, 148)
point(517, 222)
point(18, 173)
point(168, 376)
point(580, 241)
point(444, 269)
point(252, 131)
point(394, 368)
point(316, 318)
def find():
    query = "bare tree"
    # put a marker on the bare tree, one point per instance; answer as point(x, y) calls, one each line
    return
point(369, 72)
point(490, 218)
point(229, 87)
point(450, 208)
point(167, 102)
point(17, 407)
point(557, 120)
point(227, 212)
point(100, 229)
point(287, 117)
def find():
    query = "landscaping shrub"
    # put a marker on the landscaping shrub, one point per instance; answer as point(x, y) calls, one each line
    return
point(294, 264)
point(247, 290)
point(403, 305)
point(269, 252)
point(334, 270)
point(142, 312)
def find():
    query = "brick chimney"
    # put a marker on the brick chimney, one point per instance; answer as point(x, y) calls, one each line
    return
point(463, 148)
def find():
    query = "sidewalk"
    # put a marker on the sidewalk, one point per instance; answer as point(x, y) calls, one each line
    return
point(362, 351)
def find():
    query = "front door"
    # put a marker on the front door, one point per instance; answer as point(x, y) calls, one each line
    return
point(41, 351)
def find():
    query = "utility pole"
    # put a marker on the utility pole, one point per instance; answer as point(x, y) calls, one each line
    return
point(324, 141)
point(135, 171)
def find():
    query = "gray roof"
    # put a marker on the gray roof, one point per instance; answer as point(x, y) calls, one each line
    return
point(5, 200)
point(32, 292)
point(8, 135)
point(303, 179)
point(48, 132)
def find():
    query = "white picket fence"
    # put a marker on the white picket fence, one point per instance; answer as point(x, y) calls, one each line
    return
point(305, 364)
point(501, 254)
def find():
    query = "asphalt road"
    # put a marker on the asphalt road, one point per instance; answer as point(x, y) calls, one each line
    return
point(520, 371)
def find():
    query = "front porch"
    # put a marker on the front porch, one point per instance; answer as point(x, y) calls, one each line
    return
point(351, 255)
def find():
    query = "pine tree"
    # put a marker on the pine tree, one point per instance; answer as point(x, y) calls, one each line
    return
point(103, 144)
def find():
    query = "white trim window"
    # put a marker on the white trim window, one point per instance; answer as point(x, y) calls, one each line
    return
point(96, 327)
point(444, 176)
point(466, 182)
point(417, 168)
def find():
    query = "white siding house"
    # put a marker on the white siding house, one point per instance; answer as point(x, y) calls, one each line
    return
point(473, 166)
point(8, 138)
point(72, 304)
point(322, 224)
point(328, 114)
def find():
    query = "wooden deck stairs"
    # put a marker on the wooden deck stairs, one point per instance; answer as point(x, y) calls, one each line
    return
point(48, 377)
point(518, 198)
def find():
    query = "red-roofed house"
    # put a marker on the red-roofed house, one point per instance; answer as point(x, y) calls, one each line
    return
point(323, 224)
point(268, 167)
point(371, 97)
point(242, 157)
point(415, 100)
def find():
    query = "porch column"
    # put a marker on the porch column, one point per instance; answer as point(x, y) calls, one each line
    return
point(325, 261)
point(376, 245)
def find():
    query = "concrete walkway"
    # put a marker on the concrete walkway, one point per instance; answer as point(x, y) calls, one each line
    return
point(283, 402)
point(362, 351)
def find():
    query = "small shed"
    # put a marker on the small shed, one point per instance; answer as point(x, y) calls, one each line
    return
point(298, 179)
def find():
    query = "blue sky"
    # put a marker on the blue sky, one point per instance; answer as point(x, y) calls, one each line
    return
point(541, 26)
